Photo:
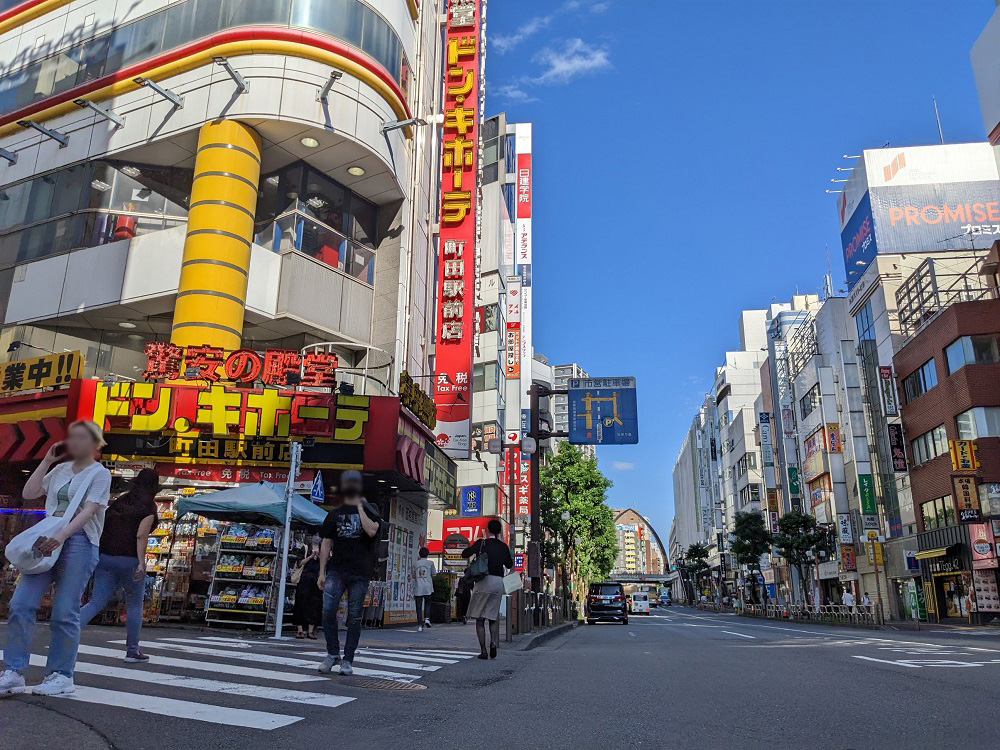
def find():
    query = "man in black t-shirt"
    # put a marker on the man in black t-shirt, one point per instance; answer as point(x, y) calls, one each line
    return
point(346, 563)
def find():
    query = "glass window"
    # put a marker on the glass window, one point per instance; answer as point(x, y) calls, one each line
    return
point(365, 219)
point(378, 41)
point(931, 444)
point(979, 422)
point(137, 41)
point(325, 199)
point(245, 12)
point(191, 20)
point(478, 378)
point(489, 500)
point(972, 350)
point(69, 190)
point(920, 381)
point(929, 512)
point(810, 401)
point(342, 19)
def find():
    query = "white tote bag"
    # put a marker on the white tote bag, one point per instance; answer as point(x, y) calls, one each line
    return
point(21, 550)
point(512, 582)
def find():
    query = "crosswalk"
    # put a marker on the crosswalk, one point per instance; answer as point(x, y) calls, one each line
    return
point(233, 666)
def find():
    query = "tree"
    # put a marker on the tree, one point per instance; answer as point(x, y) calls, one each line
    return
point(801, 542)
point(572, 485)
point(751, 540)
point(696, 558)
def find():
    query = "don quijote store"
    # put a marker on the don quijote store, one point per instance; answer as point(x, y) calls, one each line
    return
point(218, 426)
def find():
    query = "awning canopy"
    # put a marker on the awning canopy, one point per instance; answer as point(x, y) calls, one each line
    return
point(252, 503)
point(929, 553)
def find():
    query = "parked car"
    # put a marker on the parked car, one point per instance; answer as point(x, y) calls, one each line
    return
point(606, 601)
point(639, 604)
point(665, 598)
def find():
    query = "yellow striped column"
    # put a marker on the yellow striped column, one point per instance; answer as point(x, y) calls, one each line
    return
point(212, 292)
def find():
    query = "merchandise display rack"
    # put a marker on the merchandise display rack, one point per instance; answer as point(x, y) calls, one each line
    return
point(244, 577)
point(173, 548)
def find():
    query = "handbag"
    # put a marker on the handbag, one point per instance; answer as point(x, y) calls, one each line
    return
point(21, 550)
point(512, 582)
point(296, 575)
point(479, 568)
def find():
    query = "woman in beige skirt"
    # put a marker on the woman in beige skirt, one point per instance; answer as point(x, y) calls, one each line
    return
point(489, 591)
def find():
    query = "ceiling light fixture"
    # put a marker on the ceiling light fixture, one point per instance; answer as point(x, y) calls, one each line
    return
point(309, 142)
point(127, 325)
point(131, 171)
point(356, 171)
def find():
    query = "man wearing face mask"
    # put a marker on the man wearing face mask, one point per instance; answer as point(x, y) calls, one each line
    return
point(346, 563)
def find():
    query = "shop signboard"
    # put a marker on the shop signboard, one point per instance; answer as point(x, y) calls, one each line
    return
point(413, 398)
point(984, 582)
point(847, 560)
point(964, 455)
point(766, 448)
point(512, 345)
point(869, 522)
point(982, 546)
point(519, 562)
point(523, 251)
point(844, 528)
point(828, 569)
point(874, 552)
point(889, 402)
point(471, 504)
point(866, 489)
point(897, 449)
point(967, 499)
point(453, 545)
point(458, 234)
point(49, 371)
point(407, 534)
point(793, 481)
point(603, 411)
point(834, 438)
point(210, 364)
point(225, 474)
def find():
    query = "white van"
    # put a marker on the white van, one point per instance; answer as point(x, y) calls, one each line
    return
point(639, 604)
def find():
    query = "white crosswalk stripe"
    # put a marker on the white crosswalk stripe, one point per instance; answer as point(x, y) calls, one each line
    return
point(141, 687)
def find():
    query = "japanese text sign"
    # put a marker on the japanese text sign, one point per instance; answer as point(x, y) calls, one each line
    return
point(40, 372)
point(963, 455)
point(866, 489)
point(603, 411)
point(210, 364)
point(889, 400)
point(458, 252)
point(967, 499)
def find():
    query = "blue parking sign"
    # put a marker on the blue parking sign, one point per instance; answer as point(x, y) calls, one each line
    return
point(603, 411)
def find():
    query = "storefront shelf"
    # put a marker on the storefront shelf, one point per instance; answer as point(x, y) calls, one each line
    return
point(248, 551)
point(240, 611)
point(243, 580)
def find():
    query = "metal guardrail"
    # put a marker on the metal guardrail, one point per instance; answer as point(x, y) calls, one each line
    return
point(865, 616)
point(530, 610)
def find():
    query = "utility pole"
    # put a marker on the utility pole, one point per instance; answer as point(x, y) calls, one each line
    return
point(536, 393)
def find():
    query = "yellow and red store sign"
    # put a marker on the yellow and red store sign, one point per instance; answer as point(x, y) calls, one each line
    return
point(459, 197)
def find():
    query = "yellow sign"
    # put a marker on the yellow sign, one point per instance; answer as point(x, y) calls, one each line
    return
point(874, 553)
point(40, 372)
point(963, 455)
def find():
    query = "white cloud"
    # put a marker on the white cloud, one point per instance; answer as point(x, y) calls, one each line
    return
point(514, 92)
point(622, 465)
point(574, 58)
point(505, 43)
point(599, 7)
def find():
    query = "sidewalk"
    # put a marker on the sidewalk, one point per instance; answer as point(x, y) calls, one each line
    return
point(41, 726)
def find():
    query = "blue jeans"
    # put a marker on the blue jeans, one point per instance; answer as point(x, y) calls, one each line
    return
point(114, 572)
point(356, 587)
point(70, 575)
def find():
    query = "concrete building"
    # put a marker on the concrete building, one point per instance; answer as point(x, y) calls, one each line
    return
point(640, 551)
point(560, 404)
point(696, 491)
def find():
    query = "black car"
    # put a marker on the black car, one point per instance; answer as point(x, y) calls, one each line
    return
point(606, 601)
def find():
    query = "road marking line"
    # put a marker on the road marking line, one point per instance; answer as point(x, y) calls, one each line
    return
point(886, 661)
point(271, 659)
point(408, 655)
point(212, 686)
point(631, 634)
point(741, 635)
point(443, 652)
point(202, 641)
point(153, 704)
point(207, 666)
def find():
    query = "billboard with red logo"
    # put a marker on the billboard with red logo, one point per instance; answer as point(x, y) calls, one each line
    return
point(920, 199)
point(457, 252)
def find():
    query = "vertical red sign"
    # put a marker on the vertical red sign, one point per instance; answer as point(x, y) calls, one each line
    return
point(457, 256)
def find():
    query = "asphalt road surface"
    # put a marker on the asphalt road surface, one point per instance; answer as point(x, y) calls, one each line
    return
point(676, 679)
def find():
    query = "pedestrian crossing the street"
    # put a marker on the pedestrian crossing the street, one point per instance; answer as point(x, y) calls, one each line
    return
point(233, 667)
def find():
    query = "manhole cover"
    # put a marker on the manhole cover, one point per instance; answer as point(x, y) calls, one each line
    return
point(377, 684)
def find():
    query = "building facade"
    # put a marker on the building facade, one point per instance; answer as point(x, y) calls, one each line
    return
point(560, 403)
point(640, 551)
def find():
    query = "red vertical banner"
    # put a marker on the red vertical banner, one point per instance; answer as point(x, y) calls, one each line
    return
point(457, 252)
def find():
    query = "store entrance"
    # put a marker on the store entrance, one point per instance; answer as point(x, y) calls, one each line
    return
point(954, 594)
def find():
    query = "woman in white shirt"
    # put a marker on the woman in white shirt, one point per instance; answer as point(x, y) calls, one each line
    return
point(80, 538)
point(424, 572)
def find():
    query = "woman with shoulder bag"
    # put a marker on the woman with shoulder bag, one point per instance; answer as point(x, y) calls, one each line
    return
point(489, 590)
point(122, 562)
point(308, 612)
point(77, 489)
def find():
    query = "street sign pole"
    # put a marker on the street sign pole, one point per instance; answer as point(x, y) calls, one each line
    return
point(295, 460)
point(534, 427)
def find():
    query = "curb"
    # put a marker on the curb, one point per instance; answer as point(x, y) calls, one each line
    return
point(547, 635)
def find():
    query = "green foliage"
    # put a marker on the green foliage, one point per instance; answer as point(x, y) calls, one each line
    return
point(442, 588)
point(799, 539)
point(572, 483)
point(751, 539)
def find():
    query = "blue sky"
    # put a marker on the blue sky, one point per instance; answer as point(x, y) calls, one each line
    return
point(681, 151)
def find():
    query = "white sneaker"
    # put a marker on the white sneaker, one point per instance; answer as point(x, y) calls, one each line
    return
point(427, 623)
point(329, 663)
point(346, 668)
point(55, 684)
point(11, 683)
point(420, 628)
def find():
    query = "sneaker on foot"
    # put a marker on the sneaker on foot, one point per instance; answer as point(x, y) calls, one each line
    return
point(136, 657)
point(329, 663)
point(420, 628)
point(427, 623)
point(55, 684)
point(346, 668)
point(11, 683)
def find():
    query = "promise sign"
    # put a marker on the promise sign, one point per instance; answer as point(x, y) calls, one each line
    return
point(459, 196)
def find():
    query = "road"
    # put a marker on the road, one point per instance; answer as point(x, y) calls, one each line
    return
point(676, 679)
